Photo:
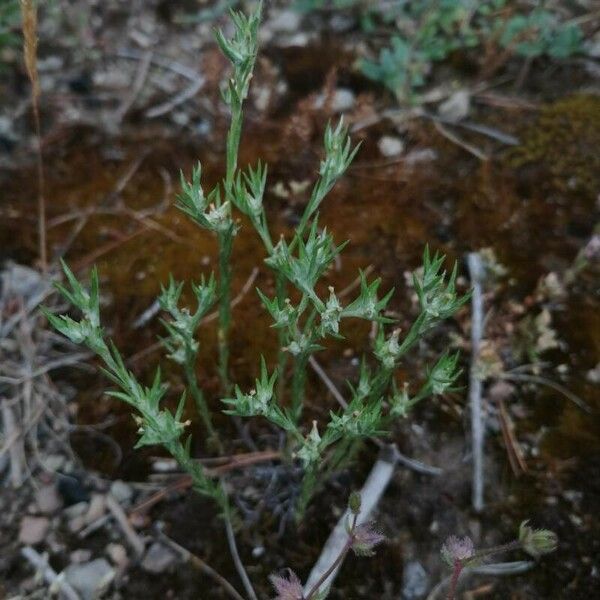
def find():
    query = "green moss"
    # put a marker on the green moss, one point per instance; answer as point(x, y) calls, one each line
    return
point(564, 140)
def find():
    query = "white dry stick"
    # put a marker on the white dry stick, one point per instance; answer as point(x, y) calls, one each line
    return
point(237, 561)
point(48, 573)
point(370, 494)
point(476, 272)
point(180, 98)
point(118, 513)
point(495, 570)
point(14, 437)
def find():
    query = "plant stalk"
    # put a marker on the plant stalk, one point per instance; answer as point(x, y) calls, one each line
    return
point(299, 385)
point(457, 570)
point(315, 589)
point(200, 401)
point(225, 246)
point(282, 355)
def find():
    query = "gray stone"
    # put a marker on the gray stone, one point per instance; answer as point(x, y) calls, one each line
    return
point(456, 107)
point(75, 510)
point(390, 146)
point(287, 21)
point(90, 579)
point(415, 581)
point(158, 558)
point(18, 280)
point(50, 63)
point(97, 508)
point(33, 530)
point(342, 101)
point(298, 40)
point(118, 555)
point(80, 556)
point(76, 524)
point(47, 499)
point(341, 22)
point(121, 491)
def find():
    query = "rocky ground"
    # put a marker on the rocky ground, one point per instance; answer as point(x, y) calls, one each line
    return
point(130, 96)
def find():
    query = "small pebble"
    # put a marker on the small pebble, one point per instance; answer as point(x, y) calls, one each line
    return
point(390, 146)
point(96, 509)
point(121, 491)
point(118, 555)
point(80, 555)
point(76, 510)
point(33, 530)
point(90, 579)
point(47, 499)
point(158, 558)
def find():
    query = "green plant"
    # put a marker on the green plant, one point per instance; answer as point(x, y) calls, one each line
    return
point(429, 30)
point(361, 539)
point(304, 324)
point(459, 553)
point(10, 18)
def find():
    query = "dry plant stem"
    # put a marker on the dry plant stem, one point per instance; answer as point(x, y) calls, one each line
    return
point(48, 573)
point(179, 98)
point(237, 561)
point(513, 449)
point(231, 463)
point(494, 570)
point(477, 424)
point(335, 564)
point(551, 384)
point(14, 437)
point(197, 562)
point(371, 493)
point(459, 566)
point(132, 537)
point(312, 361)
point(460, 142)
point(29, 14)
point(138, 84)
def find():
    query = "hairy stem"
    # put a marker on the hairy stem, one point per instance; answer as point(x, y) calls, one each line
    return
point(457, 570)
point(225, 246)
point(233, 146)
point(200, 401)
point(299, 385)
point(282, 356)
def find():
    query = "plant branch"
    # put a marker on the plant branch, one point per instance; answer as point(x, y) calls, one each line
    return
point(237, 560)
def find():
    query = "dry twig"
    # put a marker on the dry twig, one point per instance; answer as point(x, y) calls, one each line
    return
point(477, 424)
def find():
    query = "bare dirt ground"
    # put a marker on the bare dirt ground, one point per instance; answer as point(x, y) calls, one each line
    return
point(129, 97)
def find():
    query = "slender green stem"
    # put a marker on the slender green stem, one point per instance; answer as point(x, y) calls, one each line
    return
point(233, 146)
point(319, 192)
point(200, 482)
point(299, 385)
point(200, 401)
point(225, 240)
point(282, 355)
point(225, 246)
